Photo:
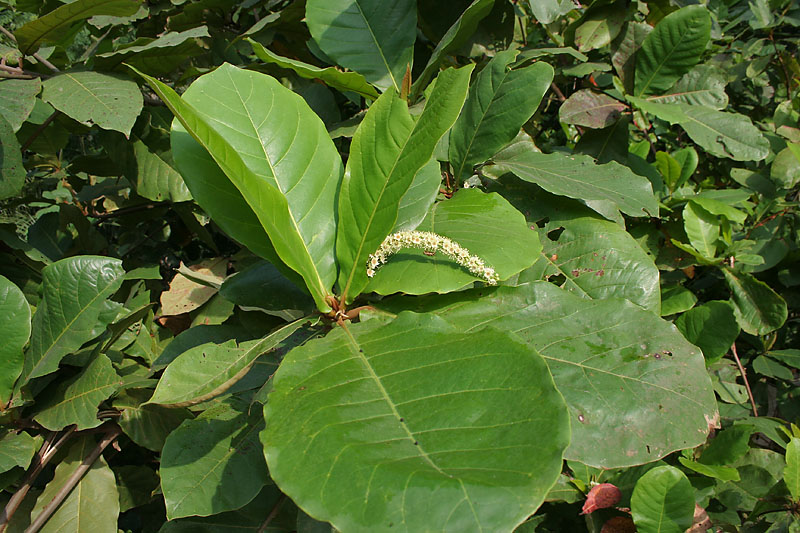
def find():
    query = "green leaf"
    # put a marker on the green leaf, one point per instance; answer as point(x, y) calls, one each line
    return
point(791, 474)
point(500, 101)
point(704, 85)
point(72, 311)
point(430, 428)
point(208, 370)
point(60, 22)
point(723, 473)
point(262, 286)
point(546, 11)
point(344, 81)
point(75, 401)
point(372, 37)
point(485, 224)
point(213, 463)
point(663, 501)
point(669, 168)
point(724, 134)
point(155, 179)
point(145, 424)
point(758, 308)
point(676, 299)
point(211, 189)
point(17, 98)
point(687, 158)
point(107, 100)
point(728, 446)
point(597, 258)
point(712, 327)
point(93, 505)
point(785, 169)
point(387, 151)
point(12, 172)
point(15, 329)
point(155, 56)
point(591, 109)
point(599, 27)
point(419, 198)
point(17, 449)
point(635, 389)
point(702, 228)
point(269, 164)
point(457, 35)
point(672, 49)
point(577, 176)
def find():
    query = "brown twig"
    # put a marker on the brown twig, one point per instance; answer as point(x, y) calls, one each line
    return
point(744, 378)
point(38, 131)
point(558, 92)
point(271, 514)
point(46, 452)
point(36, 55)
point(113, 432)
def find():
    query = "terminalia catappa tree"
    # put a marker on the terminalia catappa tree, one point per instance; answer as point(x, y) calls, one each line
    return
point(370, 265)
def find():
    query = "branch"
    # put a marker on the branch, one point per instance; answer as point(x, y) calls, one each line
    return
point(46, 452)
point(38, 131)
point(744, 377)
point(113, 432)
point(272, 514)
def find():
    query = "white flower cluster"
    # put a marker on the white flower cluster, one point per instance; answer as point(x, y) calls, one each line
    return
point(430, 243)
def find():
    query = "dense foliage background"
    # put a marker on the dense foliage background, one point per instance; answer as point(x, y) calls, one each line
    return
point(191, 338)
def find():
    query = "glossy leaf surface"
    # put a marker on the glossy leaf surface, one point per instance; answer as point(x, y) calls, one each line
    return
point(415, 425)
point(616, 364)
point(711, 327)
point(260, 188)
point(387, 151)
point(71, 311)
point(486, 224)
point(373, 37)
point(500, 101)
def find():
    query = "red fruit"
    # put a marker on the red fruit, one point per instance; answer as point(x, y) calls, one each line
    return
point(601, 496)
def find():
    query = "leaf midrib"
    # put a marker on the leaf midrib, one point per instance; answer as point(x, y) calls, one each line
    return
point(377, 45)
point(666, 58)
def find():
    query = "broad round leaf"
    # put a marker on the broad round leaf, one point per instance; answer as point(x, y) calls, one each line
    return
point(415, 426)
point(17, 98)
point(591, 109)
point(663, 501)
point(486, 224)
point(711, 327)
point(635, 389)
point(758, 308)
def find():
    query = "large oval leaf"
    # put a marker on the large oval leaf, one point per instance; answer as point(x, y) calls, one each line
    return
point(388, 150)
point(486, 224)
point(635, 389)
point(672, 49)
point(415, 426)
point(71, 310)
point(500, 101)
point(373, 37)
point(663, 501)
point(280, 176)
point(758, 308)
point(15, 328)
